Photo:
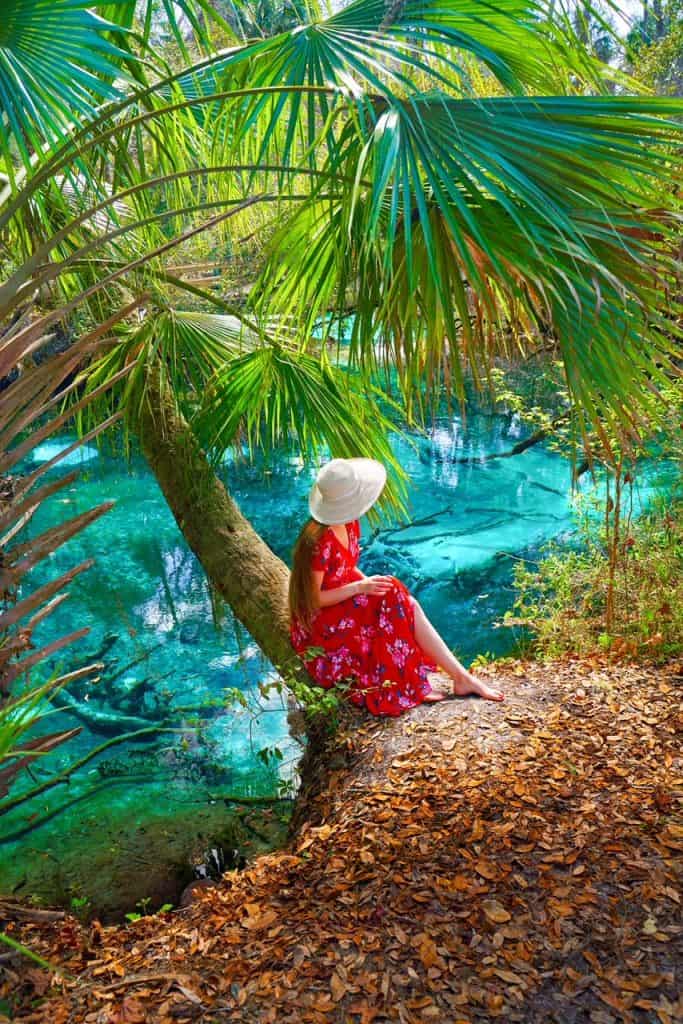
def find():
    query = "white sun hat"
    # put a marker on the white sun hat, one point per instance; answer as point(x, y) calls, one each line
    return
point(345, 489)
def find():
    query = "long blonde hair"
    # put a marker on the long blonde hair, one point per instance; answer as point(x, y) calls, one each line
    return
point(302, 603)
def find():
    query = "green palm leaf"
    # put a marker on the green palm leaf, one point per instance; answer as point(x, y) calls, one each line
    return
point(201, 16)
point(528, 214)
point(273, 395)
point(238, 386)
point(55, 63)
point(477, 223)
point(371, 49)
point(189, 346)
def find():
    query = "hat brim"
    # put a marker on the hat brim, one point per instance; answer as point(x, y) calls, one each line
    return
point(372, 477)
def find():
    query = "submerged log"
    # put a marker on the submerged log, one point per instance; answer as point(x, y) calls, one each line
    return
point(108, 723)
point(517, 449)
point(64, 776)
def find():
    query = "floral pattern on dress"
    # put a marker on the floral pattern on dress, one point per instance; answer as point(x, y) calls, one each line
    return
point(368, 641)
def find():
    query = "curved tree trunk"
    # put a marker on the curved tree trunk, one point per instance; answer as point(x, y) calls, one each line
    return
point(237, 561)
point(239, 565)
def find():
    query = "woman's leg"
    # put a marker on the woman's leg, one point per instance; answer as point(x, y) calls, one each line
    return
point(432, 644)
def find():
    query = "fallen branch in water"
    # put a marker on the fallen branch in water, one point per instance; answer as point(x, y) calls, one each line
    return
point(539, 435)
point(66, 773)
point(36, 821)
point(109, 723)
point(250, 801)
point(106, 722)
point(425, 521)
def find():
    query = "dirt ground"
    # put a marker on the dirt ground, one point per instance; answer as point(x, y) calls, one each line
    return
point(468, 862)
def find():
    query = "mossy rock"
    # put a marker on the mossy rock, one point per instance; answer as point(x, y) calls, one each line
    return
point(111, 865)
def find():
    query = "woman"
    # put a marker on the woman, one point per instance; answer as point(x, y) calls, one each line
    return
point(366, 631)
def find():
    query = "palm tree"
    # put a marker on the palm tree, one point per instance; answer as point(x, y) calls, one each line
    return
point(457, 227)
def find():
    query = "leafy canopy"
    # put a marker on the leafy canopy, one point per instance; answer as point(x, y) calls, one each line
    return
point(456, 227)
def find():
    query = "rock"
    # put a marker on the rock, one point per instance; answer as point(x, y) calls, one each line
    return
point(114, 866)
point(191, 891)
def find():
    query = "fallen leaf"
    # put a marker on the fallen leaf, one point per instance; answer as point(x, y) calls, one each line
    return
point(338, 987)
point(427, 950)
point(495, 912)
point(510, 976)
point(486, 869)
point(131, 1011)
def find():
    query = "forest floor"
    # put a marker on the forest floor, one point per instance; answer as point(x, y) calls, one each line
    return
point(468, 862)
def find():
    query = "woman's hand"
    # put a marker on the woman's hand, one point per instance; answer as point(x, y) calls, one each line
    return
point(375, 585)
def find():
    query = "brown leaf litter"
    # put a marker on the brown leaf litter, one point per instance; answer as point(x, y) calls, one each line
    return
point(468, 862)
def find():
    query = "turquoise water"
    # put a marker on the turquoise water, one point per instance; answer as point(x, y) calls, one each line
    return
point(149, 610)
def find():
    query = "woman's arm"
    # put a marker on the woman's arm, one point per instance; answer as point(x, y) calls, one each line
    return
point(365, 585)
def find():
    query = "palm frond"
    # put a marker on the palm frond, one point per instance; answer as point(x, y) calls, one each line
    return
point(440, 217)
point(55, 63)
point(456, 244)
point(273, 395)
point(196, 19)
point(189, 348)
point(24, 701)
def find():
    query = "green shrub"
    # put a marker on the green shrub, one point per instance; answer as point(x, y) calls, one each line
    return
point(563, 598)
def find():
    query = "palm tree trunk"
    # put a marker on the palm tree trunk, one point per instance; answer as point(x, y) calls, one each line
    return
point(237, 561)
point(239, 565)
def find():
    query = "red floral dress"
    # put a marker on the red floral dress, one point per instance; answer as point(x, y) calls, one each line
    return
point(367, 640)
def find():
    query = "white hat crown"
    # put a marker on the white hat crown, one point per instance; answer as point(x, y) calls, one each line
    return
point(345, 489)
point(337, 480)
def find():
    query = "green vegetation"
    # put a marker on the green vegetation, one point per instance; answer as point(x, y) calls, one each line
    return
point(587, 601)
point(647, 44)
point(620, 590)
point(655, 47)
point(144, 910)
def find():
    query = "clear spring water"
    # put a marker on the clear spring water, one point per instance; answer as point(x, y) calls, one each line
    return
point(149, 611)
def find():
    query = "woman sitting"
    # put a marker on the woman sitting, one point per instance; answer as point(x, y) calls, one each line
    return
point(365, 631)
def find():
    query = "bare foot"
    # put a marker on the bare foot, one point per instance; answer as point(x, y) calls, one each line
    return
point(470, 684)
point(434, 696)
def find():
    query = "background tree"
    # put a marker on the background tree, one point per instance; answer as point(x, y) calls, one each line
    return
point(262, 18)
point(595, 27)
point(655, 47)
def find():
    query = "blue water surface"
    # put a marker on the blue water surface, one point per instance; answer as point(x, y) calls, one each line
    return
point(149, 609)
